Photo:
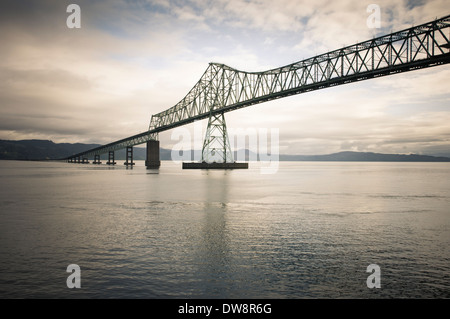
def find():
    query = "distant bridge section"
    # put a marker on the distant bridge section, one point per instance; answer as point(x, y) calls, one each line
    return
point(222, 88)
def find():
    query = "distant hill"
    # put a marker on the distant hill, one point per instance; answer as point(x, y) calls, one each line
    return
point(365, 157)
point(43, 149)
point(39, 149)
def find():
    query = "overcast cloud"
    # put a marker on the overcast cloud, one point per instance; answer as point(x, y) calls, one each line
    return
point(131, 59)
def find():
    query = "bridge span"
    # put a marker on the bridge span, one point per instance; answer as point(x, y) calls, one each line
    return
point(222, 88)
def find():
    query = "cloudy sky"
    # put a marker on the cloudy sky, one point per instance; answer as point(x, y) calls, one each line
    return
point(131, 59)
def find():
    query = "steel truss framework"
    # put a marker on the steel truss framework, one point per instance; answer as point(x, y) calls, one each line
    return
point(216, 146)
point(222, 89)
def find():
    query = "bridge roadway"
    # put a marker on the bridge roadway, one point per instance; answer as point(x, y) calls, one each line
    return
point(223, 89)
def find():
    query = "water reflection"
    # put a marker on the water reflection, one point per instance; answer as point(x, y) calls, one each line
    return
point(303, 232)
point(214, 249)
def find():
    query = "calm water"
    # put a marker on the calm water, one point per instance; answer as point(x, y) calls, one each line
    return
point(308, 231)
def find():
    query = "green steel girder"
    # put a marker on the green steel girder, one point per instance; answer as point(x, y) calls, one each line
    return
point(222, 88)
point(216, 146)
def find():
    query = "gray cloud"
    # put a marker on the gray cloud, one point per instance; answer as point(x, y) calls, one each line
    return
point(131, 59)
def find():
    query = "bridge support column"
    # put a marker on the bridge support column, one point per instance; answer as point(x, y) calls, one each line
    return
point(78, 159)
point(216, 152)
point(152, 160)
point(111, 158)
point(96, 159)
point(216, 146)
point(129, 161)
point(85, 160)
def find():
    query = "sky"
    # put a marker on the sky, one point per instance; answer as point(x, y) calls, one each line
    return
point(131, 59)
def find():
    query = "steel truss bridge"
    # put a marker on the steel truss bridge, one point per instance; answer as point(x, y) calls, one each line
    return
point(223, 89)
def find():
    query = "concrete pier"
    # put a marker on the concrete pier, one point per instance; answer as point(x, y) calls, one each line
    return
point(152, 160)
point(204, 165)
point(129, 158)
point(96, 159)
point(111, 158)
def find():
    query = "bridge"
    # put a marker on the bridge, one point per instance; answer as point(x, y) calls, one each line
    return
point(223, 89)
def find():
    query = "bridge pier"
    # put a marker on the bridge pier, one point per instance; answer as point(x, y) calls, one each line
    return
point(152, 160)
point(111, 158)
point(129, 157)
point(216, 152)
point(85, 160)
point(96, 159)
